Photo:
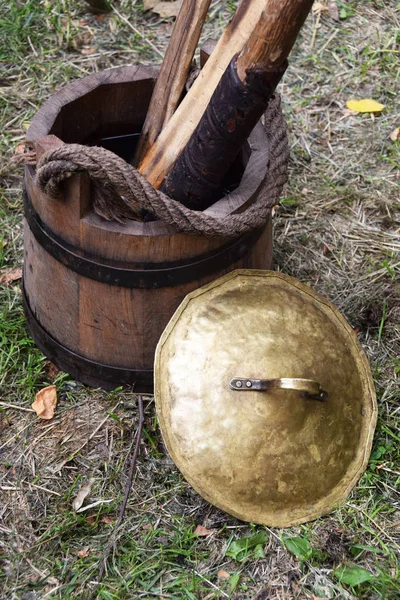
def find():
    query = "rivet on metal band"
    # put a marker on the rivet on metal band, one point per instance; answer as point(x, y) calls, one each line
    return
point(311, 388)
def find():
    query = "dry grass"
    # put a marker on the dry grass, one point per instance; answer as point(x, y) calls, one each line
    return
point(338, 229)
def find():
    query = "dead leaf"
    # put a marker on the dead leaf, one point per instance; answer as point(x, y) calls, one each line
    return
point(164, 9)
point(149, 4)
point(84, 553)
point(202, 531)
point(88, 51)
point(45, 402)
point(326, 249)
point(91, 520)
point(83, 40)
point(108, 520)
point(20, 148)
point(9, 276)
point(365, 106)
point(333, 11)
point(223, 574)
point(395, 135)
point(319, 7)
point(50, 369)
point(82, 493)
point(51, 583)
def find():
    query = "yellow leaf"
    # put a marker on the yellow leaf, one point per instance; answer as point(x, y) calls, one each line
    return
point(365, 106)
point(45, 402)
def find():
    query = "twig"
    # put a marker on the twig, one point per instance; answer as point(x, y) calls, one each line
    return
point(111, 543)
point(334, 34)
point(40, 487)
point(212, 584)
point(314, 36)
point(89, 506)
point(14, 406)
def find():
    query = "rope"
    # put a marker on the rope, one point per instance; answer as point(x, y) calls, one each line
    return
point(120, 191)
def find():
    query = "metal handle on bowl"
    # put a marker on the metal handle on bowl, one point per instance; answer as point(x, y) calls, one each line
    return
point(311, 388)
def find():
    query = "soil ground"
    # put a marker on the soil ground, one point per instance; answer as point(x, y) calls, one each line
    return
point(337, 229)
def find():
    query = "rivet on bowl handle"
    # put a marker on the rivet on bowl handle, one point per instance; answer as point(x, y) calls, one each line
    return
point(311, 388)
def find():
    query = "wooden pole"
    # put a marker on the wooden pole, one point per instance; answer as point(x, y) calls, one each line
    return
point(177, 132)
point(237, 104)
point(274, 36)
point(174, 72)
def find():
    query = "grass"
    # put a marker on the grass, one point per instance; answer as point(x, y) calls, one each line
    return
point(337, 229)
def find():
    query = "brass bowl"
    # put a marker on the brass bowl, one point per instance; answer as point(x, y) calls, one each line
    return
point(265, 398)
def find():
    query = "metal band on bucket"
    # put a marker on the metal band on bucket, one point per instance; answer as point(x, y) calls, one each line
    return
point(147, 275)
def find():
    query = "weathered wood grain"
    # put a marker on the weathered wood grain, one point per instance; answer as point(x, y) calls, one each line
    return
point(173, 73)
point(274, 35)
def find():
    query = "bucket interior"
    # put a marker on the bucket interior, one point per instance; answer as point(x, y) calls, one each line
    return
point(112, 116)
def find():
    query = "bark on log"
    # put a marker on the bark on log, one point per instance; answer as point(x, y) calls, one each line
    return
point(234, 110)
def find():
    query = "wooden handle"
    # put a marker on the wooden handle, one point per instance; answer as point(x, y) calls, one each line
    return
point(274, 35)
point(174, 71)
point(177, 132)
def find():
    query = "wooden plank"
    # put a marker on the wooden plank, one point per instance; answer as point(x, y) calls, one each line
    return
point(52, 291)
point(174, 72)
point(177, 132)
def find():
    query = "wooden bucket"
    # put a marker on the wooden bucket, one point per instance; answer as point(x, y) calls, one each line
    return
point(98, 294)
